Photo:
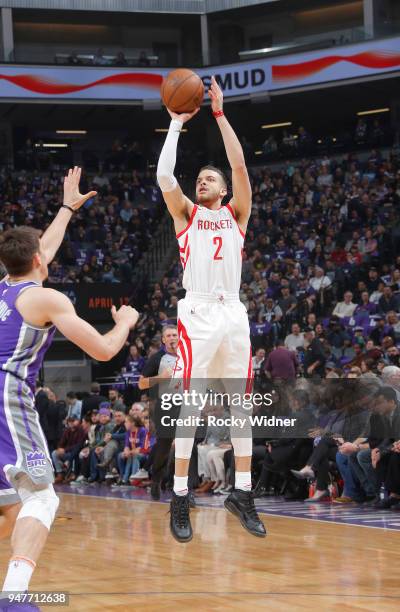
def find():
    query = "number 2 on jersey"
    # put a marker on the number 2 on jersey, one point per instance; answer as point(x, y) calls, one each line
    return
point(218, 241)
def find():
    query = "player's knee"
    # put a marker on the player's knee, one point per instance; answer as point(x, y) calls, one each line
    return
point(38, 502)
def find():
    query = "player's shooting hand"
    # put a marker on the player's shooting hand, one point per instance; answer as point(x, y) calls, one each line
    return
point(72, 196)
point(126, 314)
point(184, 117)
point(216, 96)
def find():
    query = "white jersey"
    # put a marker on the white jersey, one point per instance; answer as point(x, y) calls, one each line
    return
point(210, 249)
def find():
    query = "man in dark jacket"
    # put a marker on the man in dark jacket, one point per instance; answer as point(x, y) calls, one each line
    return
point(93, 401)
point(314, 356)
point(69, 447)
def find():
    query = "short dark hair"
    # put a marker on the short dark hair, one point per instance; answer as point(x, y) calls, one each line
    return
point(17, 249)
point(218, 171)
point(388, 393)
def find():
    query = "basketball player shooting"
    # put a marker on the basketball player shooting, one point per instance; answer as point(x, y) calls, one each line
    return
point(29, 316)
point(214, 335)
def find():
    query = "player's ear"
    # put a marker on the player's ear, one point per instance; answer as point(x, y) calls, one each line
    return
point(36, 261)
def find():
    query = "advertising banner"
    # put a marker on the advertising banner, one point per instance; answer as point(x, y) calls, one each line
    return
point(83, 83)
point(93, 301)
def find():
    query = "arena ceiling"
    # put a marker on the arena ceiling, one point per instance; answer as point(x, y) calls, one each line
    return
point(147, 6)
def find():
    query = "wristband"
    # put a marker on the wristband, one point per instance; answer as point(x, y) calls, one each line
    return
point(217, 114)
point(68, 208)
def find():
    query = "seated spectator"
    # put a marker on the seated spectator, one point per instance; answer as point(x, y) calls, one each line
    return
point(143, 59)
point(120, 59)
point(388, 301)
point(349, 423)
point(114, 440)
point(138, 443)
point(365, 305)
point(116, 401)
point(295, 340)
point(345, 308)
point(99, 59)
point(106, 426)
point(210, 455)
point(69, 447)
point(83, 472)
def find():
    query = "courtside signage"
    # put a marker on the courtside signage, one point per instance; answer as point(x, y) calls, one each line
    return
point(288, 72)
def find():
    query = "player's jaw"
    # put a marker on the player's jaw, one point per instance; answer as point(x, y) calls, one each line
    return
point(208, 195)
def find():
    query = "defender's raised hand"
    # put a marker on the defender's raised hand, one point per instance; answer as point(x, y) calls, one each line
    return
point(216, 96)
point(72, 196)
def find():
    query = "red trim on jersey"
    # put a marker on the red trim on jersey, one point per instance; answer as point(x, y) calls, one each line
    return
point(187, 373)
point(249, 383)
point(190, 222)
point(187, 257)
point(229, 207)
point(183, 249)
point(183, 355)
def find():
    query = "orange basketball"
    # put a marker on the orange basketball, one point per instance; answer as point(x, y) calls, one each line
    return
point(182, 90)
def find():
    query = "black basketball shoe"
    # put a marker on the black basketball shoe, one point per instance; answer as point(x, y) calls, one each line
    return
point(241, 504)
point(180, 525)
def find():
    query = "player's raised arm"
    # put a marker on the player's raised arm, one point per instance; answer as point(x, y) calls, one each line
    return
point(177, 203)
point(241, 202)
point(56, 308)
point(73, 200)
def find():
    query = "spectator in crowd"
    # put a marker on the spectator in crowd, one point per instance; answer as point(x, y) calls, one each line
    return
point(115, 401)
point(128, 458)
point(106, 427)
point(92, 401)
point(74, 406)
point(211, 452)
point(295, 340)
point(114, 440)
point(69, 447)
point(345, 308)
point(120, 59)
point(99, 59)
point(281, 363)
point(314, 356)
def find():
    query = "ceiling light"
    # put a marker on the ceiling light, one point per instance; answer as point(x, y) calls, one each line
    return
point(71, 131)
point(257, 152)
point(52, 145)
point(373, 111)
point(275, 125)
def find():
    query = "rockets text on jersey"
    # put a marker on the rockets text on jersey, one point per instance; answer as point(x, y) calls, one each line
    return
point(210, 249)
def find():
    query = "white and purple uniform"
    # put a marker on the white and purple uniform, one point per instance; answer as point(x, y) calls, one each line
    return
point(23, 447)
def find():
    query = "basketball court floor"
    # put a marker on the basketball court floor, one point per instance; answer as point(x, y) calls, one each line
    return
point(113, 551)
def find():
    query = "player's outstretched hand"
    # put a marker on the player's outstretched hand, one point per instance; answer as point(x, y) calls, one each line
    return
point(126, 314)
point(72, 197)
point(184, 117)
point(216, 96)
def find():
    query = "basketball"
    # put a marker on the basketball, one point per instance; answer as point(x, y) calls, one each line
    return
point(182, 91)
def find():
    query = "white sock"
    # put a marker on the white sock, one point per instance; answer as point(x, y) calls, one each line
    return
point(180, 485)
point(243, 481)
point(18, 576)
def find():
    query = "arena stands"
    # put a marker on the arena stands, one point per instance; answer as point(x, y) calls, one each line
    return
point(321, 278)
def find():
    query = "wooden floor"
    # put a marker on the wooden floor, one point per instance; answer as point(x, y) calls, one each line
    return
point(114, 554)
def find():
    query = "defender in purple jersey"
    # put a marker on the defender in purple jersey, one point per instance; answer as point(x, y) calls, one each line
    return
point(29, 316)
